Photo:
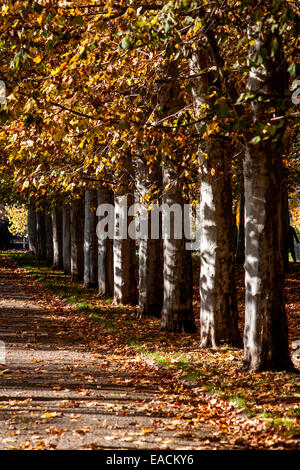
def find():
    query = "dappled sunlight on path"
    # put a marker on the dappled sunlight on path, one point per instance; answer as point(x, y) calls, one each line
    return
point(58, 393)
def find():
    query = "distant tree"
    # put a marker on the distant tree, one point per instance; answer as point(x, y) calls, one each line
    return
point(17, 220)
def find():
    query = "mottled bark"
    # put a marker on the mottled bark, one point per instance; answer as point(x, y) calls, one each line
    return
point(31, 222)
point(49, 238)
point(90, 251)
point(125, 288)
point(105, 250)
point(150, 249)
point(77, 237)
point(57, 238)
point(41, 235)
point(265, 334)
point(66, 239)
point(177, 312)
point(218, 308)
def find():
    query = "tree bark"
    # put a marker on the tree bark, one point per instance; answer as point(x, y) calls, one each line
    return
point(150, 249)
point(66, 239)
point(105, 250)
point(77, 237)
point(41, 235)
point(57, 238)
point(125, 288)
point(90, 250)
point(266, 333)
point(49, 239)
point(177, 312)
point(32, 235)
point(218, 308)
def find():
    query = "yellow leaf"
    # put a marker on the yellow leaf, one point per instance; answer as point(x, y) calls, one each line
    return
point(37, 59)
point(49, 415)
point(146, 431)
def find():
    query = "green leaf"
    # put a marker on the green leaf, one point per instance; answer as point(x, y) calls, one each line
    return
point(255, 140)
point(125, 44)
point(292, 70)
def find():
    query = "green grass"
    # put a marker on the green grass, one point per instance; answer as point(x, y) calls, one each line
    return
point(295, 412)
point(237, 401)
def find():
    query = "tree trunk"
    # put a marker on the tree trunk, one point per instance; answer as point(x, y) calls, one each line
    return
point(240, 247)
point(177, 312)
point(265, 334)
point(125, 289)
point(150, 249)
point(66, 239)
point(90, 250)
point(49, 239)
point(41, 235)
point(31, 221)
point(105, 250)
point(218, 308)
point(57, 238)
point(77, 237)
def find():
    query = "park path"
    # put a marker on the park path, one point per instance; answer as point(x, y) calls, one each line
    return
point(57, 391)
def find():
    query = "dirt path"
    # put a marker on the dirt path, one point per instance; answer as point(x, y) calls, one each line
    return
point(60, 392)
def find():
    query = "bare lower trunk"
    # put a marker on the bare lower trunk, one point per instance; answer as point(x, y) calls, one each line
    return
point(77, 236)
point(105, 250)
point(49, 239)
point(66, 237)
point(125, 291)
point(150, 277)
point(57, 238)
point(125, 288)
point(177, 312)
point(90, 251)
point(31, 222)
point(265, 334)
point(218, 308)
point(41, 236)
point(150, 249)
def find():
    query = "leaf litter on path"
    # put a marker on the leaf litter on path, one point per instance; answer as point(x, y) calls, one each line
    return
point(179, 394)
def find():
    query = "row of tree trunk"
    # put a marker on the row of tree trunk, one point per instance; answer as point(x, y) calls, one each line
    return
point(165, 274)
point(67, 239)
